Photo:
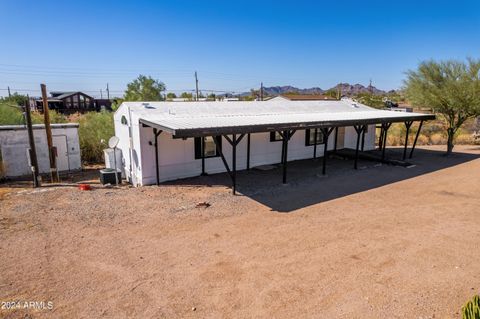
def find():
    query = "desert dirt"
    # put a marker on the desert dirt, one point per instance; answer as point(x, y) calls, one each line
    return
point(378, 242)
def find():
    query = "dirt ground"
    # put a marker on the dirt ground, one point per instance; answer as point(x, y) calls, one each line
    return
point(378, 242)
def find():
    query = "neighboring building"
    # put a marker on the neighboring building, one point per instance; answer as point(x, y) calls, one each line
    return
point(14, 147)
point(72, 102)
point(163, 141)
point(305, 97)
point(398, 107)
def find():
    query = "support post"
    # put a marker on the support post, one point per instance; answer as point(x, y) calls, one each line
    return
point(157, 169)
point(364, 129)
point(416, 138)
point(385, 127)
point(234, 162)
point(315, 144)
point(286, 137)
point(31, 140)
point(358, 129)
point(51, 151)
point(202, 145)
point(380, 138)
point(408, 124)
point(326, 133)
point(336, 140)
point(248, 151)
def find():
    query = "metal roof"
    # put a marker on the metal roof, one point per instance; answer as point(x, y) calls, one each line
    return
point(191, 119)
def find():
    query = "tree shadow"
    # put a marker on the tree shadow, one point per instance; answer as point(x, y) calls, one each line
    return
point(307, 186)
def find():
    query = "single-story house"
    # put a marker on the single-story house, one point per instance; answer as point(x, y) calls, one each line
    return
point(162, 141)
point(71, 102)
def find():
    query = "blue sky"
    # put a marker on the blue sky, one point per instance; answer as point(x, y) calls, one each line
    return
point(82, 45)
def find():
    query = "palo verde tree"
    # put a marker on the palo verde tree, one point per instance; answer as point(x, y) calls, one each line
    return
point(450, 88)
point(144, 88)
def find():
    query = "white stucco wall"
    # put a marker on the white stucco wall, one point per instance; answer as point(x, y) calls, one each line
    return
point(177, 156)
point(14, 144)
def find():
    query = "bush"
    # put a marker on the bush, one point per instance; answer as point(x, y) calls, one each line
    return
point(94, 131)
point(10, 115)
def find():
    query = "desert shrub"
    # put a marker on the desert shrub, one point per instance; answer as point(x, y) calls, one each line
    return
point(10, 114)
point(422, 140)
point(464, 139)
point(95, 129)
point(471, 310)
point(437, 139)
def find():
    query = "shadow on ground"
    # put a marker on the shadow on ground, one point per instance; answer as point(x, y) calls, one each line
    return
point(307, 186)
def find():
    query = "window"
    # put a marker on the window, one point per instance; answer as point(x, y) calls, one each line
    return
point(123, 120)
point(310, 137)
point(210, 147)
point(275, 137)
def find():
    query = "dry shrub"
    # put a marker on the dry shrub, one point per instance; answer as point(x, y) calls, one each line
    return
point(437, 139)
point(422, 140)
point(464, 139)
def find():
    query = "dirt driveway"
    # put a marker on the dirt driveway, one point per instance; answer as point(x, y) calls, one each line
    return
point(379, 242)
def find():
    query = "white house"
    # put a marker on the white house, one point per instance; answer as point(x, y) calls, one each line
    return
point(14, 147)
point(163, 141)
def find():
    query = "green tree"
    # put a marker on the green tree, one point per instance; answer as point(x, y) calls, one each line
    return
point(450, 88)
point(144, 88)
point(186, 95)
point(171, 95)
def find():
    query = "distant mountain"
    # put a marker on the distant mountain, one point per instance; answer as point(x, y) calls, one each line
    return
point(347, 89)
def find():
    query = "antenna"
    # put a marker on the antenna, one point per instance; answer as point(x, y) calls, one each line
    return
point(196, 86)
point(261, 91)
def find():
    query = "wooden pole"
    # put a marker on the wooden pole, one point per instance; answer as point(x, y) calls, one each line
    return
point(48, 130)
point(31, 140)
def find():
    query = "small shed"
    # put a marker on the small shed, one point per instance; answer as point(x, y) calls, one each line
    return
point(14, 147)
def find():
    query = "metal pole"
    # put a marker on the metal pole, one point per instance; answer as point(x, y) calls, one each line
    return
point(46, 118)
point(196, 86)
point(364, 128)
point(202, 145)
point(234, 163)
point(416, 138)
point(385, 134)
point(156, 157)
point(31, 140)
point(314, 143)
point(248, 151)
point(358, 130)
point(336, 139)
point(326, 133)
point(286, 136)
point(407, 125)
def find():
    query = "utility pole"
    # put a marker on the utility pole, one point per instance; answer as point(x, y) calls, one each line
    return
point(261, 91)
point(108, 92)
point(32, 151)
point(196, 85)
point(101, 94)
point(51, 150)
point(9, 95)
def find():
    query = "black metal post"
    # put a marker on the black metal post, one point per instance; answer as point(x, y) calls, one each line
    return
point(157, 170)
point(385, 128)
point(234, 162)
point(358, 129)
point(380, 138)
point(202, 145)
point(364, 129)
point(326, 133)
point(286, 137)
point(336, 139)
point(408, 124)
point(314, 143)
point(248, 151)
point(416, 138)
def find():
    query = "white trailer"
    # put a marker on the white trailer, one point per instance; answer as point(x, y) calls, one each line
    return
point(162, 141)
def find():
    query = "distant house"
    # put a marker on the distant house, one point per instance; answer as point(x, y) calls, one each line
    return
point(71, 102)
point(398, 107)
point(305, 97)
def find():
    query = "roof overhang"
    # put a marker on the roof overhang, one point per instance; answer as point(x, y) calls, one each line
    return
point(259, 128)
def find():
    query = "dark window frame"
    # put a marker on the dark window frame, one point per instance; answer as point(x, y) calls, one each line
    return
point(307, 137)
point(198, 147)
point(273, 137)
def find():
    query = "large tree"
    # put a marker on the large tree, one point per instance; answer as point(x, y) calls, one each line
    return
point(144, 88)
point(450, 88)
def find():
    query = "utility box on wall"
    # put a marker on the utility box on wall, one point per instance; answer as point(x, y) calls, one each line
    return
point(14, 147)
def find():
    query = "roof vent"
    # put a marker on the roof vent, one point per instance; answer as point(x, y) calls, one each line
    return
point(147, 106)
